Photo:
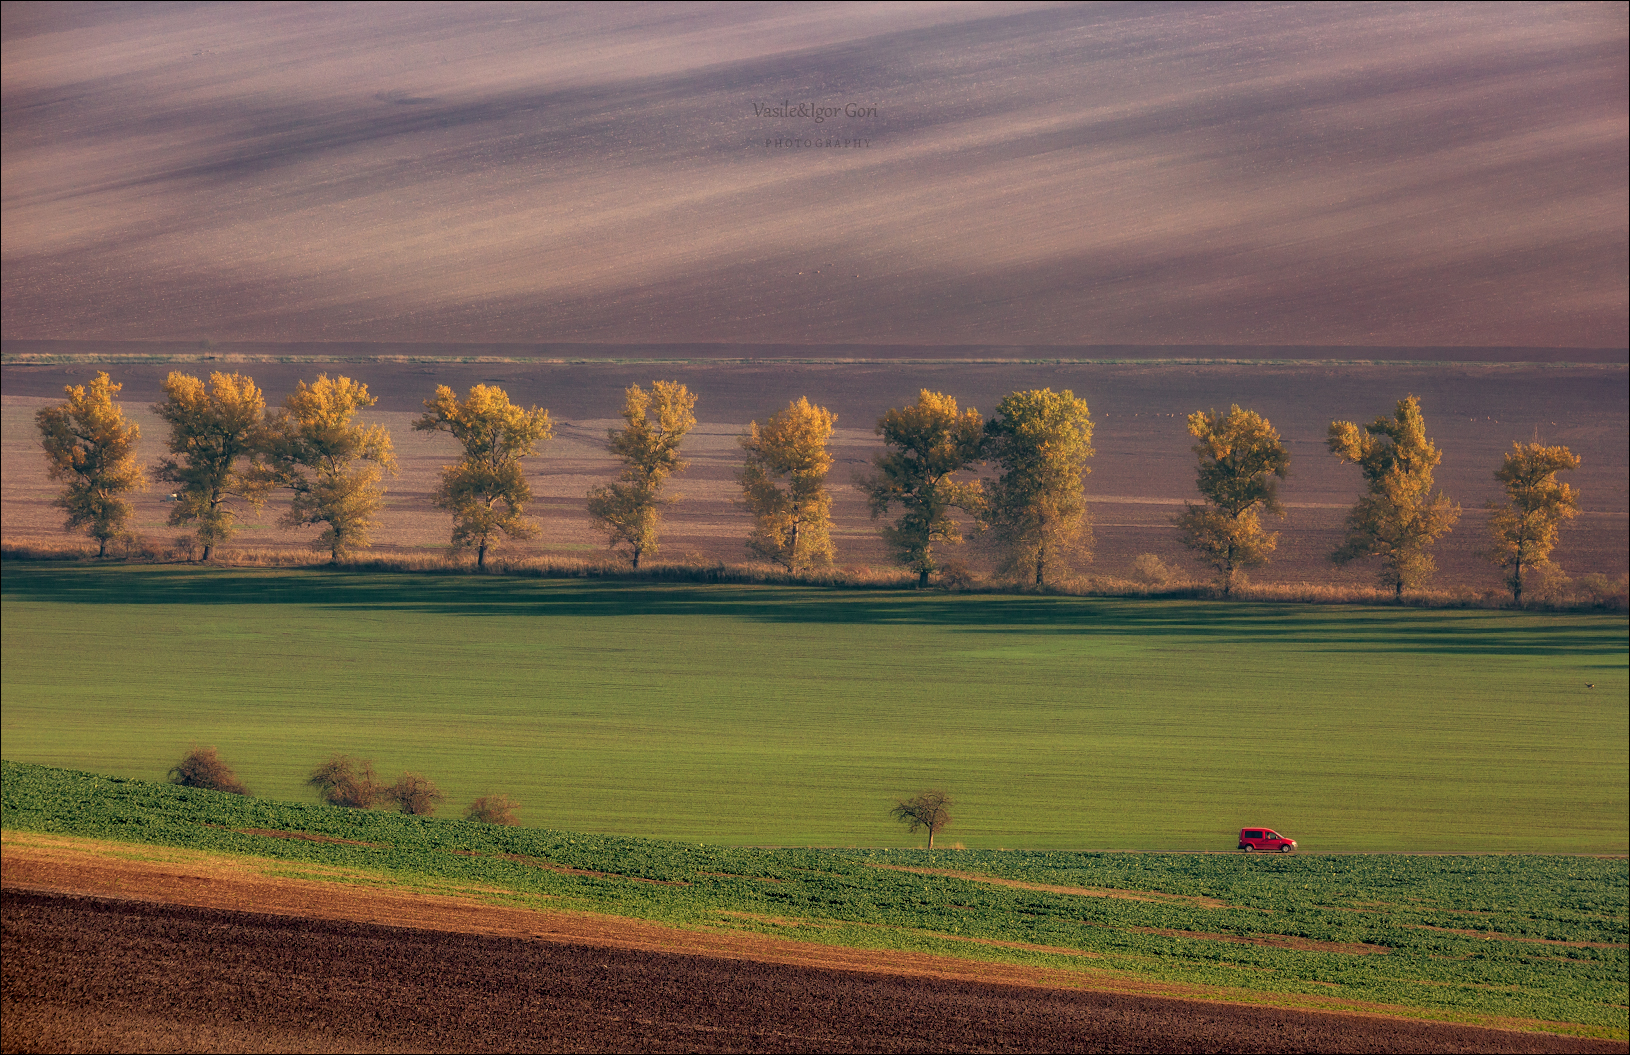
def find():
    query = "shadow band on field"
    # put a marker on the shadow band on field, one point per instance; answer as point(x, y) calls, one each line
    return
point(1319, 627)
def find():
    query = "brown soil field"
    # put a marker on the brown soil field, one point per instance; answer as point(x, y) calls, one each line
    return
point(1141, 475)
point(192, 954)
point(1401, 174)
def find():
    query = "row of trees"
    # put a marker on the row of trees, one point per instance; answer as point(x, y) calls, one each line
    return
point(227, 453)
point(1399, 517)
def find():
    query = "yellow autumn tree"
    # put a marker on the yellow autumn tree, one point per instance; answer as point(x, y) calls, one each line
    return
point(783, 483)
point(926, 445)
point(1526, 526)
point(1399, 518)
point(629, 510)
point(1241, 463)
point(486, 490)
point(89, 445)
point(218, 434)
point(333, 464)
point(1035, 512)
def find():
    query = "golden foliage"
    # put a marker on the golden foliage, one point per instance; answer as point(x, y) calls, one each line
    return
point(1035, 512)
point(928, 443)
point(89, 445)
point(219, 433)
point(486, 491)
point(316, 445)
point(1525, 528)
point(1399, 518)
point(1241, 463)
point(628, 511)
point(792, 524)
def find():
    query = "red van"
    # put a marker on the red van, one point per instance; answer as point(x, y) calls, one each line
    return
point(1251, 839)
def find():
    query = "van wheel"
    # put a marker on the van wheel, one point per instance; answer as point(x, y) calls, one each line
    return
point(1249, 848)
point(1284, 849)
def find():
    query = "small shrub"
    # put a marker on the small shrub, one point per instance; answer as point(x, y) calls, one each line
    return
point(492, 809)
point(203, 768)
point(129, 546)
point(346, 781)
point(955, 575)
point(415, 795)
point(1150, 570)
point(1549, 585)
point(1598, 591)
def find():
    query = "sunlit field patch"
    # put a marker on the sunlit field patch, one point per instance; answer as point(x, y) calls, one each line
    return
point(794, 716)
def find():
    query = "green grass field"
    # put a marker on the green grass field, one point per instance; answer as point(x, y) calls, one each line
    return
point(787, 716)
point(1538, 939)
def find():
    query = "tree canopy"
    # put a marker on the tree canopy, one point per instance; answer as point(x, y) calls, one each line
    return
point(89, 445)
point(220, 436)
point(1525, 527)
point(1400, 517)
point(1241, 463)
point(929, 809)
point(1036, 511)
point(316, 447)
point(485, 491)
point(784, 485)
point(926, 445)
point(629, 510)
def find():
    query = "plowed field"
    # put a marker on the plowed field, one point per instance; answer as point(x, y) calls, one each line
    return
point(127, 955)
point(86, 974)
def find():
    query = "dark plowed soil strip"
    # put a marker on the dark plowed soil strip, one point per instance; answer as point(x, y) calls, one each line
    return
point(86, 973)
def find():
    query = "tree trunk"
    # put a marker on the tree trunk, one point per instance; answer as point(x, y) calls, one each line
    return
point(930, 836)
point(634, 560)
point(481, 557)
point(1516, 586)
point(1398, 590)
point(1041, 561)
point(102, 550)
point(922, 583)
point(207, 549)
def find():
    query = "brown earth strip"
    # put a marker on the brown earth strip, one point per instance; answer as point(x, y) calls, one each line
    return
point(1275, 941)
point(114, 974)
point(205, 882)
point(538, 862)
point(1497, 936)
point(1126, 895)
point(271, 833)
point(235, 882)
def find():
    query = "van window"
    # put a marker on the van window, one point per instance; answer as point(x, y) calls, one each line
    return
point(1253, 835)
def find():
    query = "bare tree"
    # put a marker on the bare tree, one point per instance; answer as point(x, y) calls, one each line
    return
point(492, 809)
point(415, 795)
point(929, 809)
point(203, 768)
point(346, 781)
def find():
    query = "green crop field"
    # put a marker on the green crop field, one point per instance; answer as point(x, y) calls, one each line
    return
point(1516, 940)
point(790, 716)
